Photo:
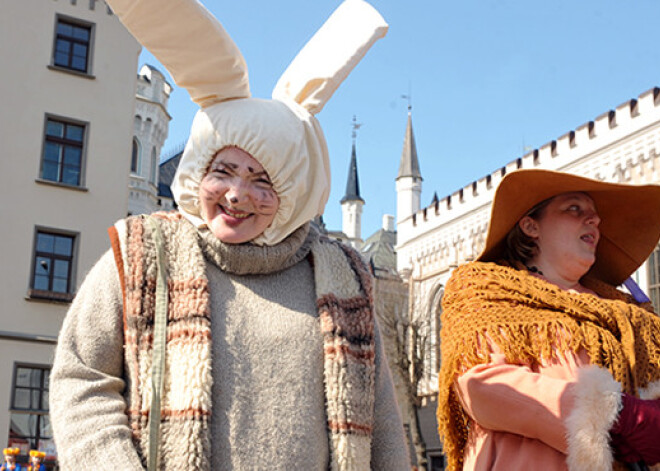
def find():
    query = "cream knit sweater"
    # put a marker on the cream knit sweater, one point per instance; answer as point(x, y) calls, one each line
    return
point(268, 410)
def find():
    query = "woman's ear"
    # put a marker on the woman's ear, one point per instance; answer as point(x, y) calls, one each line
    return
point(529, 226)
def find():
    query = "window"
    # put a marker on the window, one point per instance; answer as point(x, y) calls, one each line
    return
point(154, 166)
point(135, 156)
point(72, 45)
point(436, 462)
point(53, 265)
point(654, 278)
point(434, 315)
point(29, 424)
point(63, 152)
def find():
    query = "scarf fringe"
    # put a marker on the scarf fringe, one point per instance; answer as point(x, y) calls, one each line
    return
point(347, 323)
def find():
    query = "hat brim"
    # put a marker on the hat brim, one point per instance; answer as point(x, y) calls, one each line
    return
point(630, 217)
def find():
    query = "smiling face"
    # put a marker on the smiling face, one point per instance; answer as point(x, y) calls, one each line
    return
point(236, 196)
point(566, 234)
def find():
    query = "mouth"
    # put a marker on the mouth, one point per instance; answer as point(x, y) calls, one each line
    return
point(590, 238)
point(233, 213)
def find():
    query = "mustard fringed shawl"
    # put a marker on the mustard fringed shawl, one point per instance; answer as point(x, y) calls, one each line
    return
point(530, 320)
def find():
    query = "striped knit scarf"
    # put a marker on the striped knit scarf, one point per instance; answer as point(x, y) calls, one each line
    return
point(531, 320)
point(343, 287)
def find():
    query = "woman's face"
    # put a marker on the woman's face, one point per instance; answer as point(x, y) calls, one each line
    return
point(566, 234)
point(236, 197)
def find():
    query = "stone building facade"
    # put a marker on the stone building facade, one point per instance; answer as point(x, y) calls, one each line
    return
point(150, 128)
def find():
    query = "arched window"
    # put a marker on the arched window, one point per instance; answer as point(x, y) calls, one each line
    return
point(135, 156)
point(154, 166)
point(434, 311)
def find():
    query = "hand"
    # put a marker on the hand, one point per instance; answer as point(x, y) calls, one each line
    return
point(636, 433)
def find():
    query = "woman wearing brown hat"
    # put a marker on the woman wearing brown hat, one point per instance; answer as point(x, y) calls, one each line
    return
point(544, 361)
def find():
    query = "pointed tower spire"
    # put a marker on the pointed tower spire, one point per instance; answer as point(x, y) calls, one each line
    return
point(409, 178)
point(351, 203)
point(352, 182)
point(435, 198)
point(409, 166)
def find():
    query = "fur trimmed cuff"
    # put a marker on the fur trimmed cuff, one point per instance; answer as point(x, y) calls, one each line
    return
point(652, 391)
point(597, 405)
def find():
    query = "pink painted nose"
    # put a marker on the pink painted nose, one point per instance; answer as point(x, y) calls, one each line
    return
point(237, 193)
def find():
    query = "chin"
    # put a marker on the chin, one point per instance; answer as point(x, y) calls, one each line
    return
point(586, 265)
point(244, 232)
point(230, 238)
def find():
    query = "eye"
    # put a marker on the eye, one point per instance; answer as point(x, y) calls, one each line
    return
point(574, 207)
point(263, 183)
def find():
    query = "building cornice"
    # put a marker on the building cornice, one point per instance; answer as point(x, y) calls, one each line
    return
point(30, 338)
point(151, 102)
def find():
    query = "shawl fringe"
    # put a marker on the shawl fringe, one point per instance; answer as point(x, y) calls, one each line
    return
point(489, 307)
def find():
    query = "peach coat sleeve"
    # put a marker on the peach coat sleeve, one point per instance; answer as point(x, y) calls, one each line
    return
point(558, 414)
point(512, 398)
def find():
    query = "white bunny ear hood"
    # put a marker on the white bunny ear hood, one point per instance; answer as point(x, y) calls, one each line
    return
point(281, 134)
point(293, 152)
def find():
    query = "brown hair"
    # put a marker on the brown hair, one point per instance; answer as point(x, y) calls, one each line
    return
point(519, 247)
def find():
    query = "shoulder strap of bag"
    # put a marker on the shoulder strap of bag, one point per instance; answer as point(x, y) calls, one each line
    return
point(158, 351)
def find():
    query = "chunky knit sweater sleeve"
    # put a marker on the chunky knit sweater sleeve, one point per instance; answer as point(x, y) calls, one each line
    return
point(389, 450)
point(87, 408)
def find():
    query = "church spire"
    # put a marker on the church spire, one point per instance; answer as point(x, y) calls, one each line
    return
point(409, 166)
point(352, 182)
point(409, 179)
point(351, 203)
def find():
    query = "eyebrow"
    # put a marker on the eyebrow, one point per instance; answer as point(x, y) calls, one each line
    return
point(234, 166)
point(580, 199)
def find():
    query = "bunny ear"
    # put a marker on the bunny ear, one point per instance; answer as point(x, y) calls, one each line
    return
point(327, 59)
point(194, 47)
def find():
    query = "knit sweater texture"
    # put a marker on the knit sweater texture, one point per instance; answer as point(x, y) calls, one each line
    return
point(268, 389)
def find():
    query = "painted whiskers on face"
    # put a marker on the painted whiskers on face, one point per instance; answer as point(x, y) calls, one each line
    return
point(264, 198)
point(237, 199)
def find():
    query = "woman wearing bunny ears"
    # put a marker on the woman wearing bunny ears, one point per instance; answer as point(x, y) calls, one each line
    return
point(231, 335)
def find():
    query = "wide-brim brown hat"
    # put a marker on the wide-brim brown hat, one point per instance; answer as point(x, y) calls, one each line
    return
point(630, 217)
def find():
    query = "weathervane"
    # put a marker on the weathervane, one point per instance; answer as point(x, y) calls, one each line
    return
point(355, 127)
point(408, 97)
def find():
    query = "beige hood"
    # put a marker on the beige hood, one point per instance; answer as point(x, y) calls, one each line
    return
point(281, 133)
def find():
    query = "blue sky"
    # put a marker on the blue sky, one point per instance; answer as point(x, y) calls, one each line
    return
point(486, 77)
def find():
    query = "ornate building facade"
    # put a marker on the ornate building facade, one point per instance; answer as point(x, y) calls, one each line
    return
point(150, 128)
